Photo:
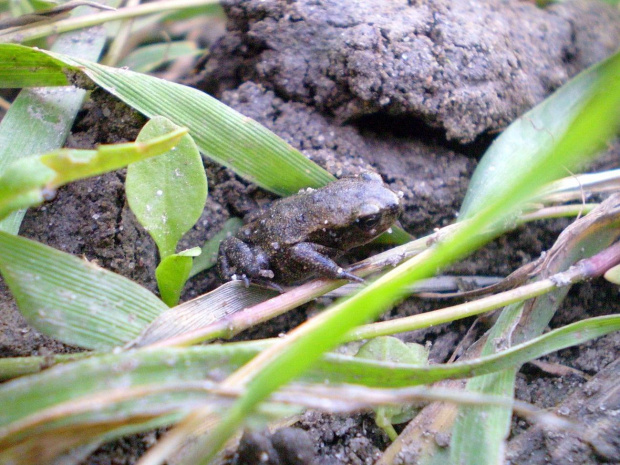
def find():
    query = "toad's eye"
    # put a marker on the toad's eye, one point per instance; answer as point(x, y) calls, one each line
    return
point(369, 221)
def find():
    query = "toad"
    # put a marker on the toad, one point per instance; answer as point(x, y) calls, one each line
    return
point(300, 236)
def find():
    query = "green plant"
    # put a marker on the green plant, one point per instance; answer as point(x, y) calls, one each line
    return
point(156, 381)
point(167, 195)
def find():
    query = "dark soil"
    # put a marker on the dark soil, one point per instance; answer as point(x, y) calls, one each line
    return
point(414, 90)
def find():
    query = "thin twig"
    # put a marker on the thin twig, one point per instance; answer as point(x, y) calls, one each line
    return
point(81, 22)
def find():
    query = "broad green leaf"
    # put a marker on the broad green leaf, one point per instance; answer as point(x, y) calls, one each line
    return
point(172, 274)
point(391, 349)
point(29, 181)
point(147, 58)
point(168, 193)
point(73, 300)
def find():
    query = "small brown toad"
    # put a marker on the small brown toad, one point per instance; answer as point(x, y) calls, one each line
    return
point(301, 235)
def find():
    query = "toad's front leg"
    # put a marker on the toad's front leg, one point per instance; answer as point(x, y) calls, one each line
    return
point(239, 260)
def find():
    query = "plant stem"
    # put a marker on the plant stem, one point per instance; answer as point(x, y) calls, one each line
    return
point(72, 24)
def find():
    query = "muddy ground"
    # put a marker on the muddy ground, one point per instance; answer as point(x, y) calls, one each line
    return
point(415, 90)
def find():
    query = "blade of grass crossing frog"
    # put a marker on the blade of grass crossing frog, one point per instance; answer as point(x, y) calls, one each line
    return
point(73, 300)
point(220, 132)
point(39, 120)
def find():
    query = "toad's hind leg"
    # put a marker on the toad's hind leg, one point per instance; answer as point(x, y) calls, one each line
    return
point(314, 258)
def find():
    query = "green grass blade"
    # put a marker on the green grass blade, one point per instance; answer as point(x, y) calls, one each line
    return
point(220, 132)
point(181, 363)
point(72, 164)
point(30, 394)
point(28, 67)
point(71, 24)
point(14, 367)
point(168, 193)
point(486, 445)
point(147, 58)
point(40, 119)
point(534, 132)
point(73, 300)
point(29, 181)
point(345, 369)
point(23, 185)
